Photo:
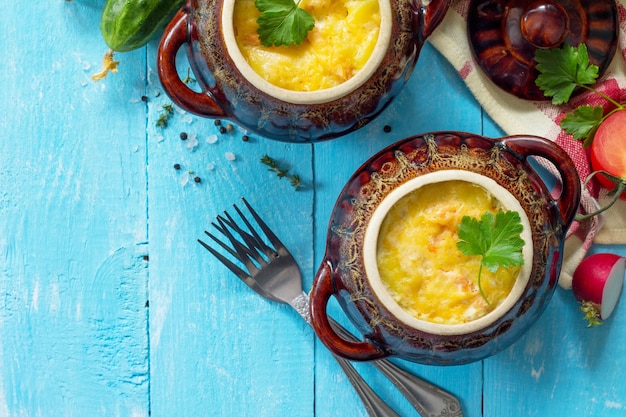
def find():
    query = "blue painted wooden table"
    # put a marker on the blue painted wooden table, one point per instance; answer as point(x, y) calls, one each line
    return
point(109, 307)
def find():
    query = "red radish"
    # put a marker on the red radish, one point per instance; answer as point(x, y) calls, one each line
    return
point(597, 284)
point(608, 149)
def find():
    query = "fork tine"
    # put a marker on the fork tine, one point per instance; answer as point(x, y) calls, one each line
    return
point(243, 253)
point(221, 227)
point(255, 237)
point(219, 242)
point(239, 273)
point(253, 242)
point(233, 268)
point(266, 230)
point(239, 251)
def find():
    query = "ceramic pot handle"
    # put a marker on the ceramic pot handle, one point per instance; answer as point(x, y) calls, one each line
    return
point(569, 200)
point(320, 295)
point(430, 16)
point(174, 37)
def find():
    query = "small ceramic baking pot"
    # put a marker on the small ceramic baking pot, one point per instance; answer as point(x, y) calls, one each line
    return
point(231, 89)
point(349, 271)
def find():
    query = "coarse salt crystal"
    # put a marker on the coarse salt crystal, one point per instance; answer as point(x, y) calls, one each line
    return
point(211, 139)
point(192, 142)
point(230, 156)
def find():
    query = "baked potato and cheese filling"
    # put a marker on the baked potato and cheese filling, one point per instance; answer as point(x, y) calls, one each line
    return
point(420, 264)
point(339, 45)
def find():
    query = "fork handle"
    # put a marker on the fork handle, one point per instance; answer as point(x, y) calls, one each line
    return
point(426, 398)
point(374, 405)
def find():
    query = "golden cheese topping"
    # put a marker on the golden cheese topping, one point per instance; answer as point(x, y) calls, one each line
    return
point(339, 45)
point(420, 264)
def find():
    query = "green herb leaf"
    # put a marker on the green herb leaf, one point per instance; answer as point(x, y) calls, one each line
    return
point(282, 22)
point(497, 239)
point(272, 165)
point(583, 122)
point(562, 70)
point(168, 110)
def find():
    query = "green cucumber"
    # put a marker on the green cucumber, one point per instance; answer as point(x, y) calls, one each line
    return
point(130, 24)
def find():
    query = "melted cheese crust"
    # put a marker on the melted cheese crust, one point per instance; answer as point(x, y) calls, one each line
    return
point(421, 266)
point(339, 45)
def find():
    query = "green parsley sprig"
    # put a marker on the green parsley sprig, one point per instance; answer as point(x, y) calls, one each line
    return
point(282, 22)
point(561, 71)
point(496, 239)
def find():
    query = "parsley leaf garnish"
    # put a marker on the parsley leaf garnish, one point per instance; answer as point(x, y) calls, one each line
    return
point(496, 239)
point(282, 22)
point(561, 71)
point(583, 122)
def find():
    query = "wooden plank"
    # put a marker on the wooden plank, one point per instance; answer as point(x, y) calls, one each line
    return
point(433, 81)
point(73, 323)
point(217, 348)
point(560, 367)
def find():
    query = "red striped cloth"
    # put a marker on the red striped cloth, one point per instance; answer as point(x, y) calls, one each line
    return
point(517, 116)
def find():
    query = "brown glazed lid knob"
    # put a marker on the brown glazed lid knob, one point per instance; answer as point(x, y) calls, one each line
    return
point(544, 24)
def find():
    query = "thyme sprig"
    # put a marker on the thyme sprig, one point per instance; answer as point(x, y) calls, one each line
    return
point(272, 165)
point(168, 110)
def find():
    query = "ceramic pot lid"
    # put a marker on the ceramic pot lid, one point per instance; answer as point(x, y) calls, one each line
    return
point(504, 35)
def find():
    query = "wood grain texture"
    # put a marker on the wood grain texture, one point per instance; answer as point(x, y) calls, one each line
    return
point(73, 322)
point(217, 348)
point(109, 306)
point(560, 367)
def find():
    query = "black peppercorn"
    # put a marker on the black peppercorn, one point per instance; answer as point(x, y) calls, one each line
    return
point(387, 129)
point(245, 138)
point(176, 166)
point(183, 135)
point(197, 179)
point(222, 129)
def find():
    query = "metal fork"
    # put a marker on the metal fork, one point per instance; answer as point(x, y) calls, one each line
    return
point(274, 274)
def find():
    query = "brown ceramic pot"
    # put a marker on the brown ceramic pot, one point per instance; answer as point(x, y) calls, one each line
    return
point(349, 270)
point(232, 90)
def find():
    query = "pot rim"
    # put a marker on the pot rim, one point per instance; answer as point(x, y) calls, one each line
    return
point(308, 97)
point(370, 242)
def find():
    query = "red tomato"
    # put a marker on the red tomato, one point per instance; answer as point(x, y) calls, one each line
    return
point(608, 149)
